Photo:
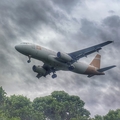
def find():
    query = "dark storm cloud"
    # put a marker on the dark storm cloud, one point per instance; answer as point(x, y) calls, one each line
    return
point(113, 24)
point(111, 11)
point(93, 30)
point(108, 30)
point(67, 5)
point(112, 21)
point(26, 16)
point(29, 14)
point(112, 98)
point(90, 28)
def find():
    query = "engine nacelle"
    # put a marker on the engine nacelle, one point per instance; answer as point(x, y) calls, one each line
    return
point(39, 70)
point(63, 56)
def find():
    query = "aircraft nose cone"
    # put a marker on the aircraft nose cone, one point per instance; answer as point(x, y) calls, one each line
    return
point(18, 47)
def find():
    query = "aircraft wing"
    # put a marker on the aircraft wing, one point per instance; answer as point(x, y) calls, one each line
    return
point(84, 52)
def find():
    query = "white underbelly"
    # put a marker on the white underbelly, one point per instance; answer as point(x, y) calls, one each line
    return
point(80, 67)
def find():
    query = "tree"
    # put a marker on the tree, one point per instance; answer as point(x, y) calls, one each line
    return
point(2, 103)
point(61, 106)
point(2, 97)
point(4, 117)
point(113, 115)
point(98, 117)
point(57, 106)
point(20, 106)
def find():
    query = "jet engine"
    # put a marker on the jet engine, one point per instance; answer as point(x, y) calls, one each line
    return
point(39, 70)
point(63, 56)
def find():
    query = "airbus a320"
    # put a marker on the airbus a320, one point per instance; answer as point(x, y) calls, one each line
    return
point(55, 61)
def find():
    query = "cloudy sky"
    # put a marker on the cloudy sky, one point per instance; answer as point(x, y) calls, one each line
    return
point(61, 25)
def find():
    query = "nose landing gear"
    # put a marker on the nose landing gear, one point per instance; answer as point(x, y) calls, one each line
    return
point(29, 56)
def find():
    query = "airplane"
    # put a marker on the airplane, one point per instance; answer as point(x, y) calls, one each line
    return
point(55, 61)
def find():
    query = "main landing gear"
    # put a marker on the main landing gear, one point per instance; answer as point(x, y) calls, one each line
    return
point(54, 76)
point(29, 56)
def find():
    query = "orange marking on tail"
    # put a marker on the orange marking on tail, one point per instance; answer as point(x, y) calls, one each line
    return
point(96, 61)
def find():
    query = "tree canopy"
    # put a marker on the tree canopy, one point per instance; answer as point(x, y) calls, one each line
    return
point(57, 106)
point(2, 96)
point(113, 115)
point(60, 106)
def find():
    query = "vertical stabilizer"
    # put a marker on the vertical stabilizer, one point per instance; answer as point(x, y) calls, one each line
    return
point(96, 61)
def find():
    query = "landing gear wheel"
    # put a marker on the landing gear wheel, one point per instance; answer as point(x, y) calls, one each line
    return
point(54, 76)
point(29, 61)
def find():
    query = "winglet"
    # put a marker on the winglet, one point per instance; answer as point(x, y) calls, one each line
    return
point(106, 43)
point(110, 41)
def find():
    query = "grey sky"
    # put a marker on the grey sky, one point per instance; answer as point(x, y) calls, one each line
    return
point(68, 26)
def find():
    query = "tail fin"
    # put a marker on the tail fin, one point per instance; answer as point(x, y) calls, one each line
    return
point(96, 61)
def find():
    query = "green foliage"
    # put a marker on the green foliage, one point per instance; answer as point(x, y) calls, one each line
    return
point(113, 115)
point(59, 106)
point(91, 119)
point(4, 117)
point(20, 106)
point(2, 97)
point(2, 104)
point(98, 117)
point(80, 118)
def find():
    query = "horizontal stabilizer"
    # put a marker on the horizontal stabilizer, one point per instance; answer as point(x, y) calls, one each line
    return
point(103, 69)
point(106, 68)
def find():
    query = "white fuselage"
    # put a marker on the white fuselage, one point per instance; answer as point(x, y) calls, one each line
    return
point(55, 61)
point(49, 57)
